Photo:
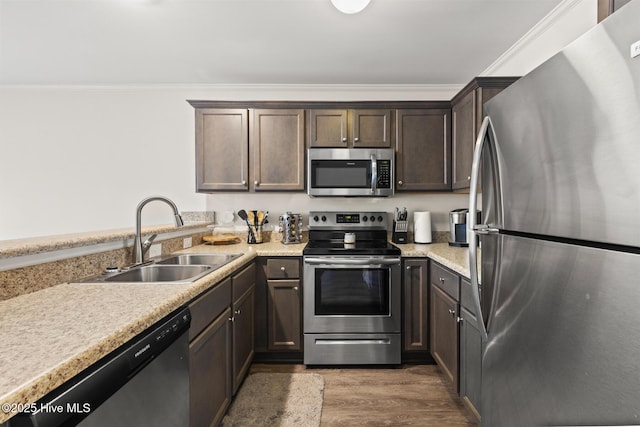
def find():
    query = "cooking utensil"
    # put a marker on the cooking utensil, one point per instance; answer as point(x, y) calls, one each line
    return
point(242, 214)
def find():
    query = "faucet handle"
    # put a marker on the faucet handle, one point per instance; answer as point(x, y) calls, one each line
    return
point(147, 243)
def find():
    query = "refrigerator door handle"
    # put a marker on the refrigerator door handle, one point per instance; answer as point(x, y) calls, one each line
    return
point(485, 229)
point(473, 228)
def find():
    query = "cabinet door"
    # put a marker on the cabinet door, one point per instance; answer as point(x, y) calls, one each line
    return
point(607, 7)
point(416, 291)
point(243, 336)
point(222, 149)
point(423, 150)
point(464, 131)
point(470, 361)
point(371, 128)
point(277, 149)
point(210, 372)
point(328, 128)
point(444, 333)
point(285, 315)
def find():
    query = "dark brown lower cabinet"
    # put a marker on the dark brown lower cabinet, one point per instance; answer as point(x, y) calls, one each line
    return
point(278, 321)
point(210, 363)
point(470, 351)
point(285, 315)
point(242, 310)
point(221, 345)
point(415, 285)
point(444, 332)
point(470, 361)
point(210, 367)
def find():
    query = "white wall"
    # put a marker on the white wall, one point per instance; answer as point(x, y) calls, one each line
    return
point(76, 159)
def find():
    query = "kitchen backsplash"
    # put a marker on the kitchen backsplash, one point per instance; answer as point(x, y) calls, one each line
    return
point(439, 204)
point(32, 278)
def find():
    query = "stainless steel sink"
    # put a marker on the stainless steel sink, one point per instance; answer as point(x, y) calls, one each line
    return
point(181, 268)
point(161, 273)
point(216, 260)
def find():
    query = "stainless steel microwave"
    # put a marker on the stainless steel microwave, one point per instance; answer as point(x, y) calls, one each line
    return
point(350, 172)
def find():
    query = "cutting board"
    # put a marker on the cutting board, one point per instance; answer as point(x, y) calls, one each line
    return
point(221, 239)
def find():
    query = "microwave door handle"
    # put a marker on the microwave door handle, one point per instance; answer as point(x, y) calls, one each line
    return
point(374, 174)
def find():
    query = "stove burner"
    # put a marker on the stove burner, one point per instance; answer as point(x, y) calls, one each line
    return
point(327, 234)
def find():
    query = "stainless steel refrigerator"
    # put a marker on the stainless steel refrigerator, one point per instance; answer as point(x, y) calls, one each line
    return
point(559, 154)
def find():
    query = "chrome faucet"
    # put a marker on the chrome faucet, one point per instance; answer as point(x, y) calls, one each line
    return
point(140, 248)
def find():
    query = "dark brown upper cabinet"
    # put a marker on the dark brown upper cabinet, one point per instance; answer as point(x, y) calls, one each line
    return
point(222, 149)
point(249, 149)
point(466, 109)
point(277, 149)
point(423, 149)
point(607, 7)
point(350, 128)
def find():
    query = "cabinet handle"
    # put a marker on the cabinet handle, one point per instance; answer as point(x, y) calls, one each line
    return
point(408, 267)
point(460, 319)
point(469, 178)
point(282, 268)
point(237, 312)
point(356, 139)
point(295, 288)
point(452, 312)
point(233, 319)
point(400, 182)
point(244, 182)
point(344, 139)
point(256, 183)
point(442, 279)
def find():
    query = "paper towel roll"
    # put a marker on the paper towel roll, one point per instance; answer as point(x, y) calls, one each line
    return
point(422, 227)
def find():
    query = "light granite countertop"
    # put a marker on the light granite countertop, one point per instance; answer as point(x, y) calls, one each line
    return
point(455, 258)
point(35, 245)
point(49, 336)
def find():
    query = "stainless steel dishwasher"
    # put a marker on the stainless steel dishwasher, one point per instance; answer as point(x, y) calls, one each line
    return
point(145, 382)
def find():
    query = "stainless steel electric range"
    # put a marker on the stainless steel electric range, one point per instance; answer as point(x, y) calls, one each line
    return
point(351, 290)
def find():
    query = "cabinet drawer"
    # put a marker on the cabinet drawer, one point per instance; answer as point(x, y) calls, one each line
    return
point(243, 281)
point(283, 268)
point(206, 308)
point(445, 280)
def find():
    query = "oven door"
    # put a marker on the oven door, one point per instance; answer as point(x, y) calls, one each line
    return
point(352, 294)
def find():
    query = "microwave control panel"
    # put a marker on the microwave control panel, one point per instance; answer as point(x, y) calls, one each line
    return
point(384, 173)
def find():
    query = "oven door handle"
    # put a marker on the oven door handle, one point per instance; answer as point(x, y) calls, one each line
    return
point(371, 262)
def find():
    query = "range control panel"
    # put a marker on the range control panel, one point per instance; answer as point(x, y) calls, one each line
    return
point(355, 220)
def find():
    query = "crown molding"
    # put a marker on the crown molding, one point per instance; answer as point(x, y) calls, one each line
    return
point(533, 34)
point(290, 91)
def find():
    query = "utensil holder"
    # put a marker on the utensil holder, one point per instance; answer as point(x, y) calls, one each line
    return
point(255, 234)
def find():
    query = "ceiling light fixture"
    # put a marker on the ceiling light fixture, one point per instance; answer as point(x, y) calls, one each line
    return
point(350, 6)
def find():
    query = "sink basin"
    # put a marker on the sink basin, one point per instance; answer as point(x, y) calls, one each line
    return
point(182, 268)
point(216, 260)
point(161, 273)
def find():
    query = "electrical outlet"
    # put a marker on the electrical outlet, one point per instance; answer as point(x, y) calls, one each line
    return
point(635, 49)
point(155, 250)
point(187, 242)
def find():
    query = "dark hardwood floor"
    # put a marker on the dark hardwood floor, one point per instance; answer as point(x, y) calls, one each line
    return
point(412, 395)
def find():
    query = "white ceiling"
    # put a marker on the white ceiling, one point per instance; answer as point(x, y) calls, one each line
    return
point(104, 42)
